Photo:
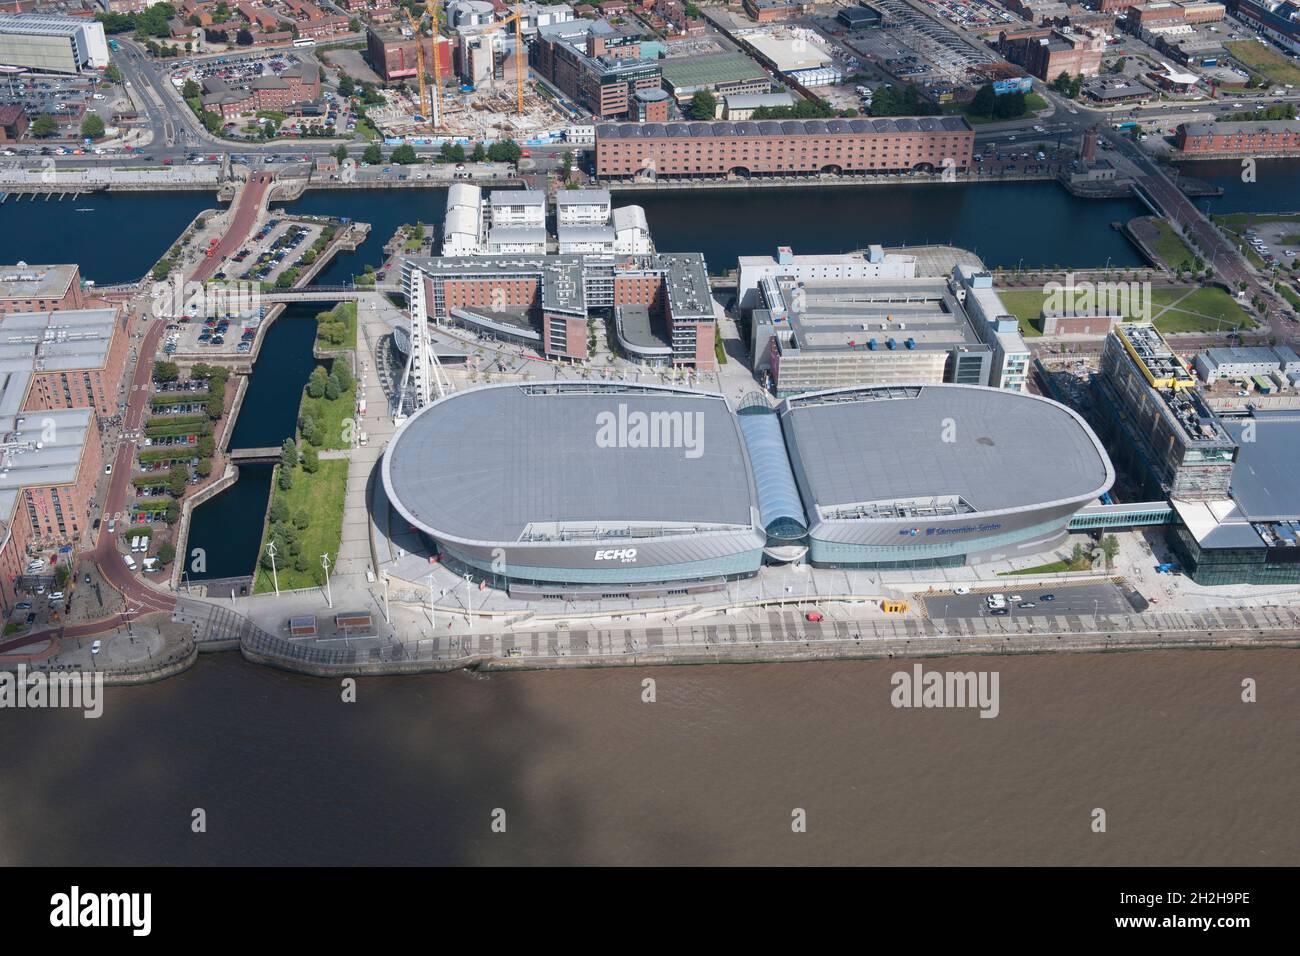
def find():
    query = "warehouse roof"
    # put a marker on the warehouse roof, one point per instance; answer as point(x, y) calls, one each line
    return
point(508, 463)
point(794, 127)
point(994, 450)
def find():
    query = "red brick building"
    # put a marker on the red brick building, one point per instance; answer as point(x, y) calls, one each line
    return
point(13, 123)
point(782, 147)
point(1048, 53)
point(1246, 139)
point(770, 11)
point(295, 85)
point(25, 288)
point(393, 56)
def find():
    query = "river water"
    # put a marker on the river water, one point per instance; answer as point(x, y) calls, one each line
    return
point(585, 771)
point(708, 774)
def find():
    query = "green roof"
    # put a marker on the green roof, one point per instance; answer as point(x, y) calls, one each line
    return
point(710, 69)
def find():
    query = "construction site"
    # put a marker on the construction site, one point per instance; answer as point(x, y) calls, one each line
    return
point(476, 86)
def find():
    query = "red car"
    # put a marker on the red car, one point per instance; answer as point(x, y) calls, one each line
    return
point(814, 616)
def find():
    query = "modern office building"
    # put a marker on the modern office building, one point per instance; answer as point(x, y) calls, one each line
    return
point(870, 263)
point(550, 300)
point(695, 150)
point(52, 44)
point(598, 66)
point(582, 207)
point(1251, 536)
point(927, 476)
point(813, 335)
point(1158, 424)
point(995, 325)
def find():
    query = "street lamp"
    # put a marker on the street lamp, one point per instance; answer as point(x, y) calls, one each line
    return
point(275, 579)
point(325, 563)
point(468, 603)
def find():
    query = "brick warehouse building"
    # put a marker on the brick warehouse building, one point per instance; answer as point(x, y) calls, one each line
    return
point(25, 288)
point(547, 301)
point(782, 147)
point(294, 86)
point(1245, 138)
point(58, 371)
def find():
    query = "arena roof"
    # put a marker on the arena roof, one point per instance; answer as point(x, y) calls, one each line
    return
point(1008, 451)
point(508, 463)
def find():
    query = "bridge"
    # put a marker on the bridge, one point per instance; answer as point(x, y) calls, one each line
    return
point(267, 455)
point(1134, 514)
point(326, 293)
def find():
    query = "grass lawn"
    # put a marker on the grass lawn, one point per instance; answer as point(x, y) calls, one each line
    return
point(1289, 294)
point(321, 495)
point(1169, 246)
point(1207, 309)
point(1263, 59)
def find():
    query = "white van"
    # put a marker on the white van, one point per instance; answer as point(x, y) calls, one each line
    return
point(151, 564)
point(130, 561)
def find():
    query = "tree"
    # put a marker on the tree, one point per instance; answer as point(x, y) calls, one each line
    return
point(505, 151)
point(373, 155)
point(92, 127)
point(479, 154)
point(703, 106)
point(985, 101)
point(301, 519)
point(177, 479)
point(341, 152)
point(289, 454)
point(331, 389)
point(190, 90)
point(347, 86)
point(1009, 105)
point(316, 383)
point(404, 155)
point(452, 153)
point(310, 460)
point(44, 126)
point(166, 371)
point(279, 511)
point(1109, 548)
point(172, 513)
point(342, 375)
point(166, 553)
point(286, 479)
point(243, 38)
point(112, 74)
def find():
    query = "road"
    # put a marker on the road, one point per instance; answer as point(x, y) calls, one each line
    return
point(242, 221)
point(1074, 599)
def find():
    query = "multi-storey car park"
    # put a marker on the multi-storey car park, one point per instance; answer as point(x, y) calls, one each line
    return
point(692, 150)
point(578, 489)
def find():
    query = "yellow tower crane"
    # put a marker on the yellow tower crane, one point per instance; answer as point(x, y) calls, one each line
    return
point(419, 63)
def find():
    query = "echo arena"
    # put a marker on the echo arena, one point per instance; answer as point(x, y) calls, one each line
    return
point(577, 489)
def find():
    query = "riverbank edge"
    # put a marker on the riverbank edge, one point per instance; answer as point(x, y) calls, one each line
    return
point(726, 654)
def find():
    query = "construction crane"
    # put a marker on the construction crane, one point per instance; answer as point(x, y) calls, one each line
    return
point(419, 64)
point(432, 8)
point(520, 67)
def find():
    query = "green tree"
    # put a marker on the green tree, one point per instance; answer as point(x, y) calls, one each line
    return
point(279, 511)
point(166, 553)
point(1109, 548)
point(703, 106)
point(985, 101)
point(289, 454)
point(373, 155)
point(44, 126)
point(301, 519)
point(479, 154)
point(177, 479)
point(310, 460)
point(341, 152)
point(505, 151)
point(166, 371)
point(404, 155)
point(452, 152)
point(316, 382)
point(286, 479)
point(172, 513)
point(347, 86)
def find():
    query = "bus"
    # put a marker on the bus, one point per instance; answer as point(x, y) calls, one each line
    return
point(304, 41)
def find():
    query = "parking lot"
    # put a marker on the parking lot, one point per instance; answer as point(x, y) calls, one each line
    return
point(1100, 598)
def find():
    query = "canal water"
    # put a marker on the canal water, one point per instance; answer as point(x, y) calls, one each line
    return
point(1276, 185)
point(229, 527)
point(118, 240)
